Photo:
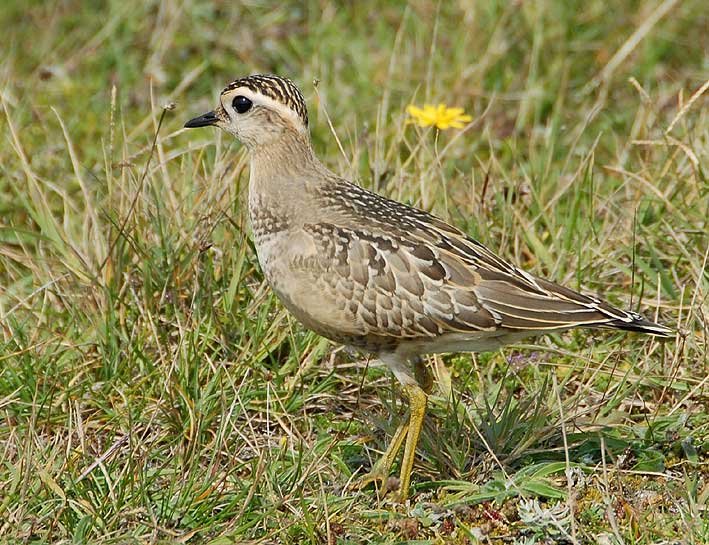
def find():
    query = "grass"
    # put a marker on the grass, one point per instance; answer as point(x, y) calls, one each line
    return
point(153, 390)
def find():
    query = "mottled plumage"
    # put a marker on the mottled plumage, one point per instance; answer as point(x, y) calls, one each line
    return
point(385, 277)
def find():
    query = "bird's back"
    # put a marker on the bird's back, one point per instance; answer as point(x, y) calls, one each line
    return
point(375, 273)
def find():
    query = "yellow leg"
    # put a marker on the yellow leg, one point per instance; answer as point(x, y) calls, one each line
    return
point(417, 410)
point(380, 471)
point(423, 375)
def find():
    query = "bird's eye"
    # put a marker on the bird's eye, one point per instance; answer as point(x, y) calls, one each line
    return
point(241, 104)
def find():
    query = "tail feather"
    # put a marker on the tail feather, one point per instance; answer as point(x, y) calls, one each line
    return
point(640, 324)
point(614, 318)
point(554, 307)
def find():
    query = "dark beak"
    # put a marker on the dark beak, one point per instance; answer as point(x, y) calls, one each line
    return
point(205, 120)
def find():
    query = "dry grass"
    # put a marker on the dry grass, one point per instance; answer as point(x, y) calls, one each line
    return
point(153, 390)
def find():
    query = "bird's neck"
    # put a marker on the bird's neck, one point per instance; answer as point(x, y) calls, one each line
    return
point(285, 172)
point(290, 153)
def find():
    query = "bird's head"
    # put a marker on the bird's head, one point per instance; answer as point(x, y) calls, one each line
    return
point(257, 110)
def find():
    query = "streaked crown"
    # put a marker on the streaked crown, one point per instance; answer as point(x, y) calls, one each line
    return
point(258, 110)
point(279, 89)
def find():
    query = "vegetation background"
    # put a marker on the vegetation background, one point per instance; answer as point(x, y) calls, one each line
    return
point(152, 390)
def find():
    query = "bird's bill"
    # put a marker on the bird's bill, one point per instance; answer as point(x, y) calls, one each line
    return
point(204, 120)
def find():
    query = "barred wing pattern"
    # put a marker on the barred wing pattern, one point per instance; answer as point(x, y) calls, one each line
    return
point(410, 275)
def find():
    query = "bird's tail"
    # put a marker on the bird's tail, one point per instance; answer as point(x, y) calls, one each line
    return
point(549, 306)
point(640, 324)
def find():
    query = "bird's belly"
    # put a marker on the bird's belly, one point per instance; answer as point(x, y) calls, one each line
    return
point(324, 314)
point(291, 269)
point(324, 309)
point(473, 341)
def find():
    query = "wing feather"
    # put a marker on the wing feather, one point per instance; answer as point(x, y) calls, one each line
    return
point(415, 277)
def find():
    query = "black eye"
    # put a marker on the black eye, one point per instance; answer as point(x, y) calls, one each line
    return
point(241, 104)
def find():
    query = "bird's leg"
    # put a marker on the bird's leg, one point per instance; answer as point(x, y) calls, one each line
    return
point(417, 409)
point(415, 390)
point(380, 471)
point(423, 374)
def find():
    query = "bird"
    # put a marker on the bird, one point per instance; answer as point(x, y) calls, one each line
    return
point(378, 275)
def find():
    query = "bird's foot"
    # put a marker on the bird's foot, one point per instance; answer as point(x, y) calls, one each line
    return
point(380, 473)
point(379, 476)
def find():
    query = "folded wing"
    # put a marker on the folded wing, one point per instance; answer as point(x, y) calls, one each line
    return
point(427, 282)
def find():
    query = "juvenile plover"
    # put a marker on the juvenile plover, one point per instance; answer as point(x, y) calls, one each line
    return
point(376, 274)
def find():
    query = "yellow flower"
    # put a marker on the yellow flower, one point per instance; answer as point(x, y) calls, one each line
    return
point(440, 116)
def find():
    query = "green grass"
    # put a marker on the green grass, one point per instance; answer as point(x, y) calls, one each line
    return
point(153, 390)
